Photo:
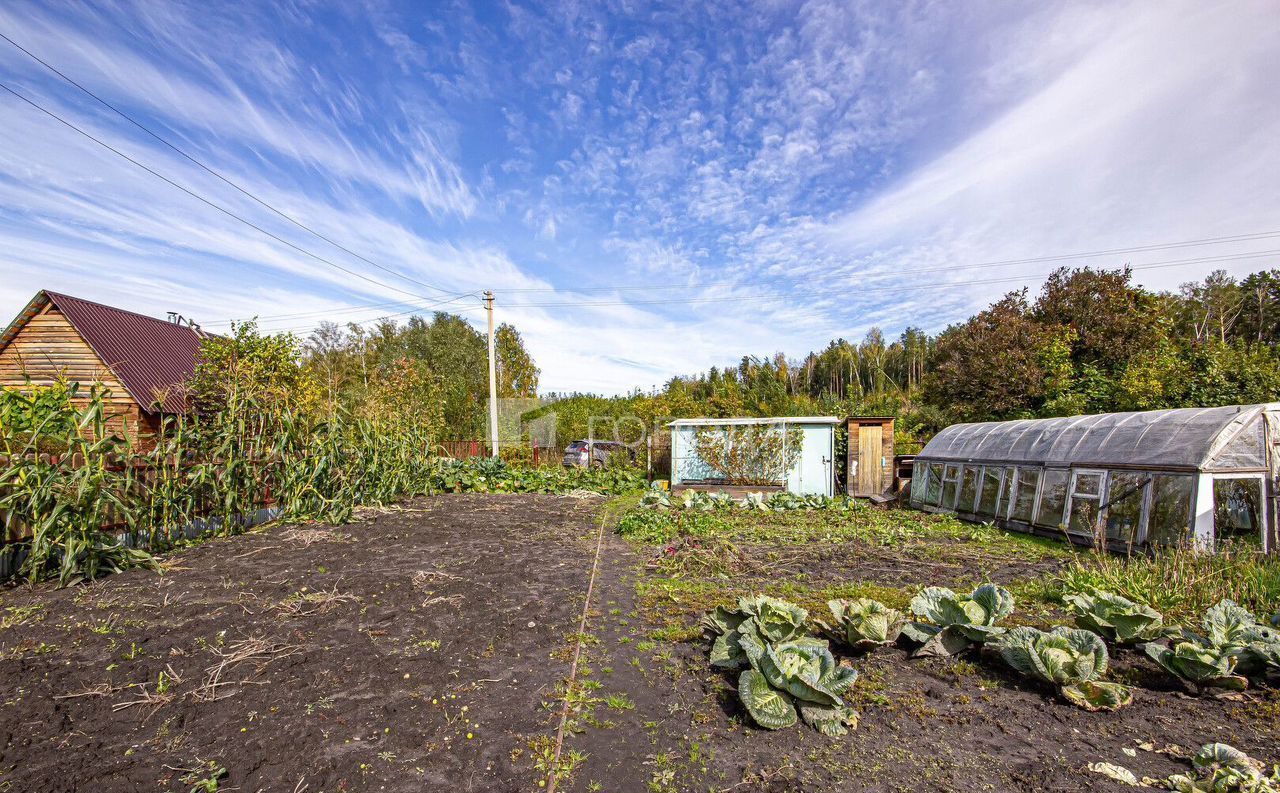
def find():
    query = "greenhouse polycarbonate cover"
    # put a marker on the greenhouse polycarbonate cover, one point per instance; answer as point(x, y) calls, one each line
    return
point(1191, 438)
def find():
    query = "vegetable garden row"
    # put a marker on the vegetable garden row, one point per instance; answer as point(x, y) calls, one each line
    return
point(789, 674)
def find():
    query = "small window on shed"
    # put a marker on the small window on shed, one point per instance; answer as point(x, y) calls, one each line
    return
point(1053, 498)
point(990, 492)
point(1237, 508)
point(969, 481)
point(933, 485)
point(950, 484)
point(1024, 498)
point(1086, 489)
point(1170, 519)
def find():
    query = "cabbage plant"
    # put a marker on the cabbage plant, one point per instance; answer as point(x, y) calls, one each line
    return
point(1256, 645)
point(1199, 663)
point(1229, 626)
point(769, 620)
point(1208, 659)
point(957, 622)
point(796, 678)
point(1071, 659)
point(863, 623)
point(1219, 767)
point(1117, 619)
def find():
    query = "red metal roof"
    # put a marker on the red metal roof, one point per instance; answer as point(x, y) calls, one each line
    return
point(149, 356)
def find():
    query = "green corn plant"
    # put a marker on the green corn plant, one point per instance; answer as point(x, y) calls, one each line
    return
point(66, 499)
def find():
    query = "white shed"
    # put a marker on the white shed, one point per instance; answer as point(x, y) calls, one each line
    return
point(812, 473)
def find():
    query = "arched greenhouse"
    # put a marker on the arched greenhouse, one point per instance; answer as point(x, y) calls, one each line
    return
point(1167, 477)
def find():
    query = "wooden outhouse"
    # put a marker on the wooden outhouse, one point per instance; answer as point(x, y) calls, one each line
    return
point(141, 361)
point(870, 464)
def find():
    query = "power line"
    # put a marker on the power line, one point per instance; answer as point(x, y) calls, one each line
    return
point(413, 304)
point(410, 310)
point(216, 174)
point(206, 201)
point(300, 328)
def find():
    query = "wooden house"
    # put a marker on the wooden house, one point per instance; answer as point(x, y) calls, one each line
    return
point(870, 462)
point(141, 361)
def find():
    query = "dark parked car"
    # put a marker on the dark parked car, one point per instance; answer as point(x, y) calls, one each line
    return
point(577, 455)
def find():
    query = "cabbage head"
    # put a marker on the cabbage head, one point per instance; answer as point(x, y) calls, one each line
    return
point(1198, 663)
point(1117, 619)
point(863, 623)
point(1228, 626)
point(1260, 658)
point(1255, 645)
point(796, 679)
point(1218, 768)
point(1071, 659)
point(957, 622)
point(771, 620)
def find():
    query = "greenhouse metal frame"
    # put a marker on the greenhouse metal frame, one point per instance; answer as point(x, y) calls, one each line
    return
point(1188, 476)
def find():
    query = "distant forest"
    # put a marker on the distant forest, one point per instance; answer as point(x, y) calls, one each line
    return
point(1089, 342)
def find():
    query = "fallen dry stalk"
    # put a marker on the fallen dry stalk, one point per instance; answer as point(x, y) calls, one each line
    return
point(258, 650)
point(303, 604)
point(100, 690)
point(309, 537)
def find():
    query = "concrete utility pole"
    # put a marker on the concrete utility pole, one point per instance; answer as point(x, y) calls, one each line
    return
point(493, 379)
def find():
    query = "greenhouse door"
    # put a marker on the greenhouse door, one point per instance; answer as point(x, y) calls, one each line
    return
point(1128, 500)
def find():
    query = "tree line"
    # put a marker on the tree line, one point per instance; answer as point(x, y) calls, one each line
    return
point(1090, 341)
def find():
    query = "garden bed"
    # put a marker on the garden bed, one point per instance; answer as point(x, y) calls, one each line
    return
point(427, 648)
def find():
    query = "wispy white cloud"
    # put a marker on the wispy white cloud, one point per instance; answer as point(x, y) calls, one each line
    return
point(795, 166)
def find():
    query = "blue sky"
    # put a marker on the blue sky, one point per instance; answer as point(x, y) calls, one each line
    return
point(803, 170)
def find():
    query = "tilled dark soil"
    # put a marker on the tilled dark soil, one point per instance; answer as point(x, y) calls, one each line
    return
point(419, 662)
point(422, 649)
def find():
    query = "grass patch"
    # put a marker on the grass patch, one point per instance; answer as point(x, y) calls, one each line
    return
point(1182, 583)
point(927, 535)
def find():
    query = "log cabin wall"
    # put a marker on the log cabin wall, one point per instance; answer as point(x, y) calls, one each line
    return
point(49, 350)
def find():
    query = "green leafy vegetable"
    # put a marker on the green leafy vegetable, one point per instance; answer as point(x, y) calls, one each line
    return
point(768, 619)
point(863, 623)
point(1218, 768)
point(957, 622)
point(1208, 660)
point(1198, 663)
point(1117, 619)
point(1071, 659)
point(796, 678)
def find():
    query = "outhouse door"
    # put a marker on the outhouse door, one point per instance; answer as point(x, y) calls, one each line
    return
point(869, 479)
